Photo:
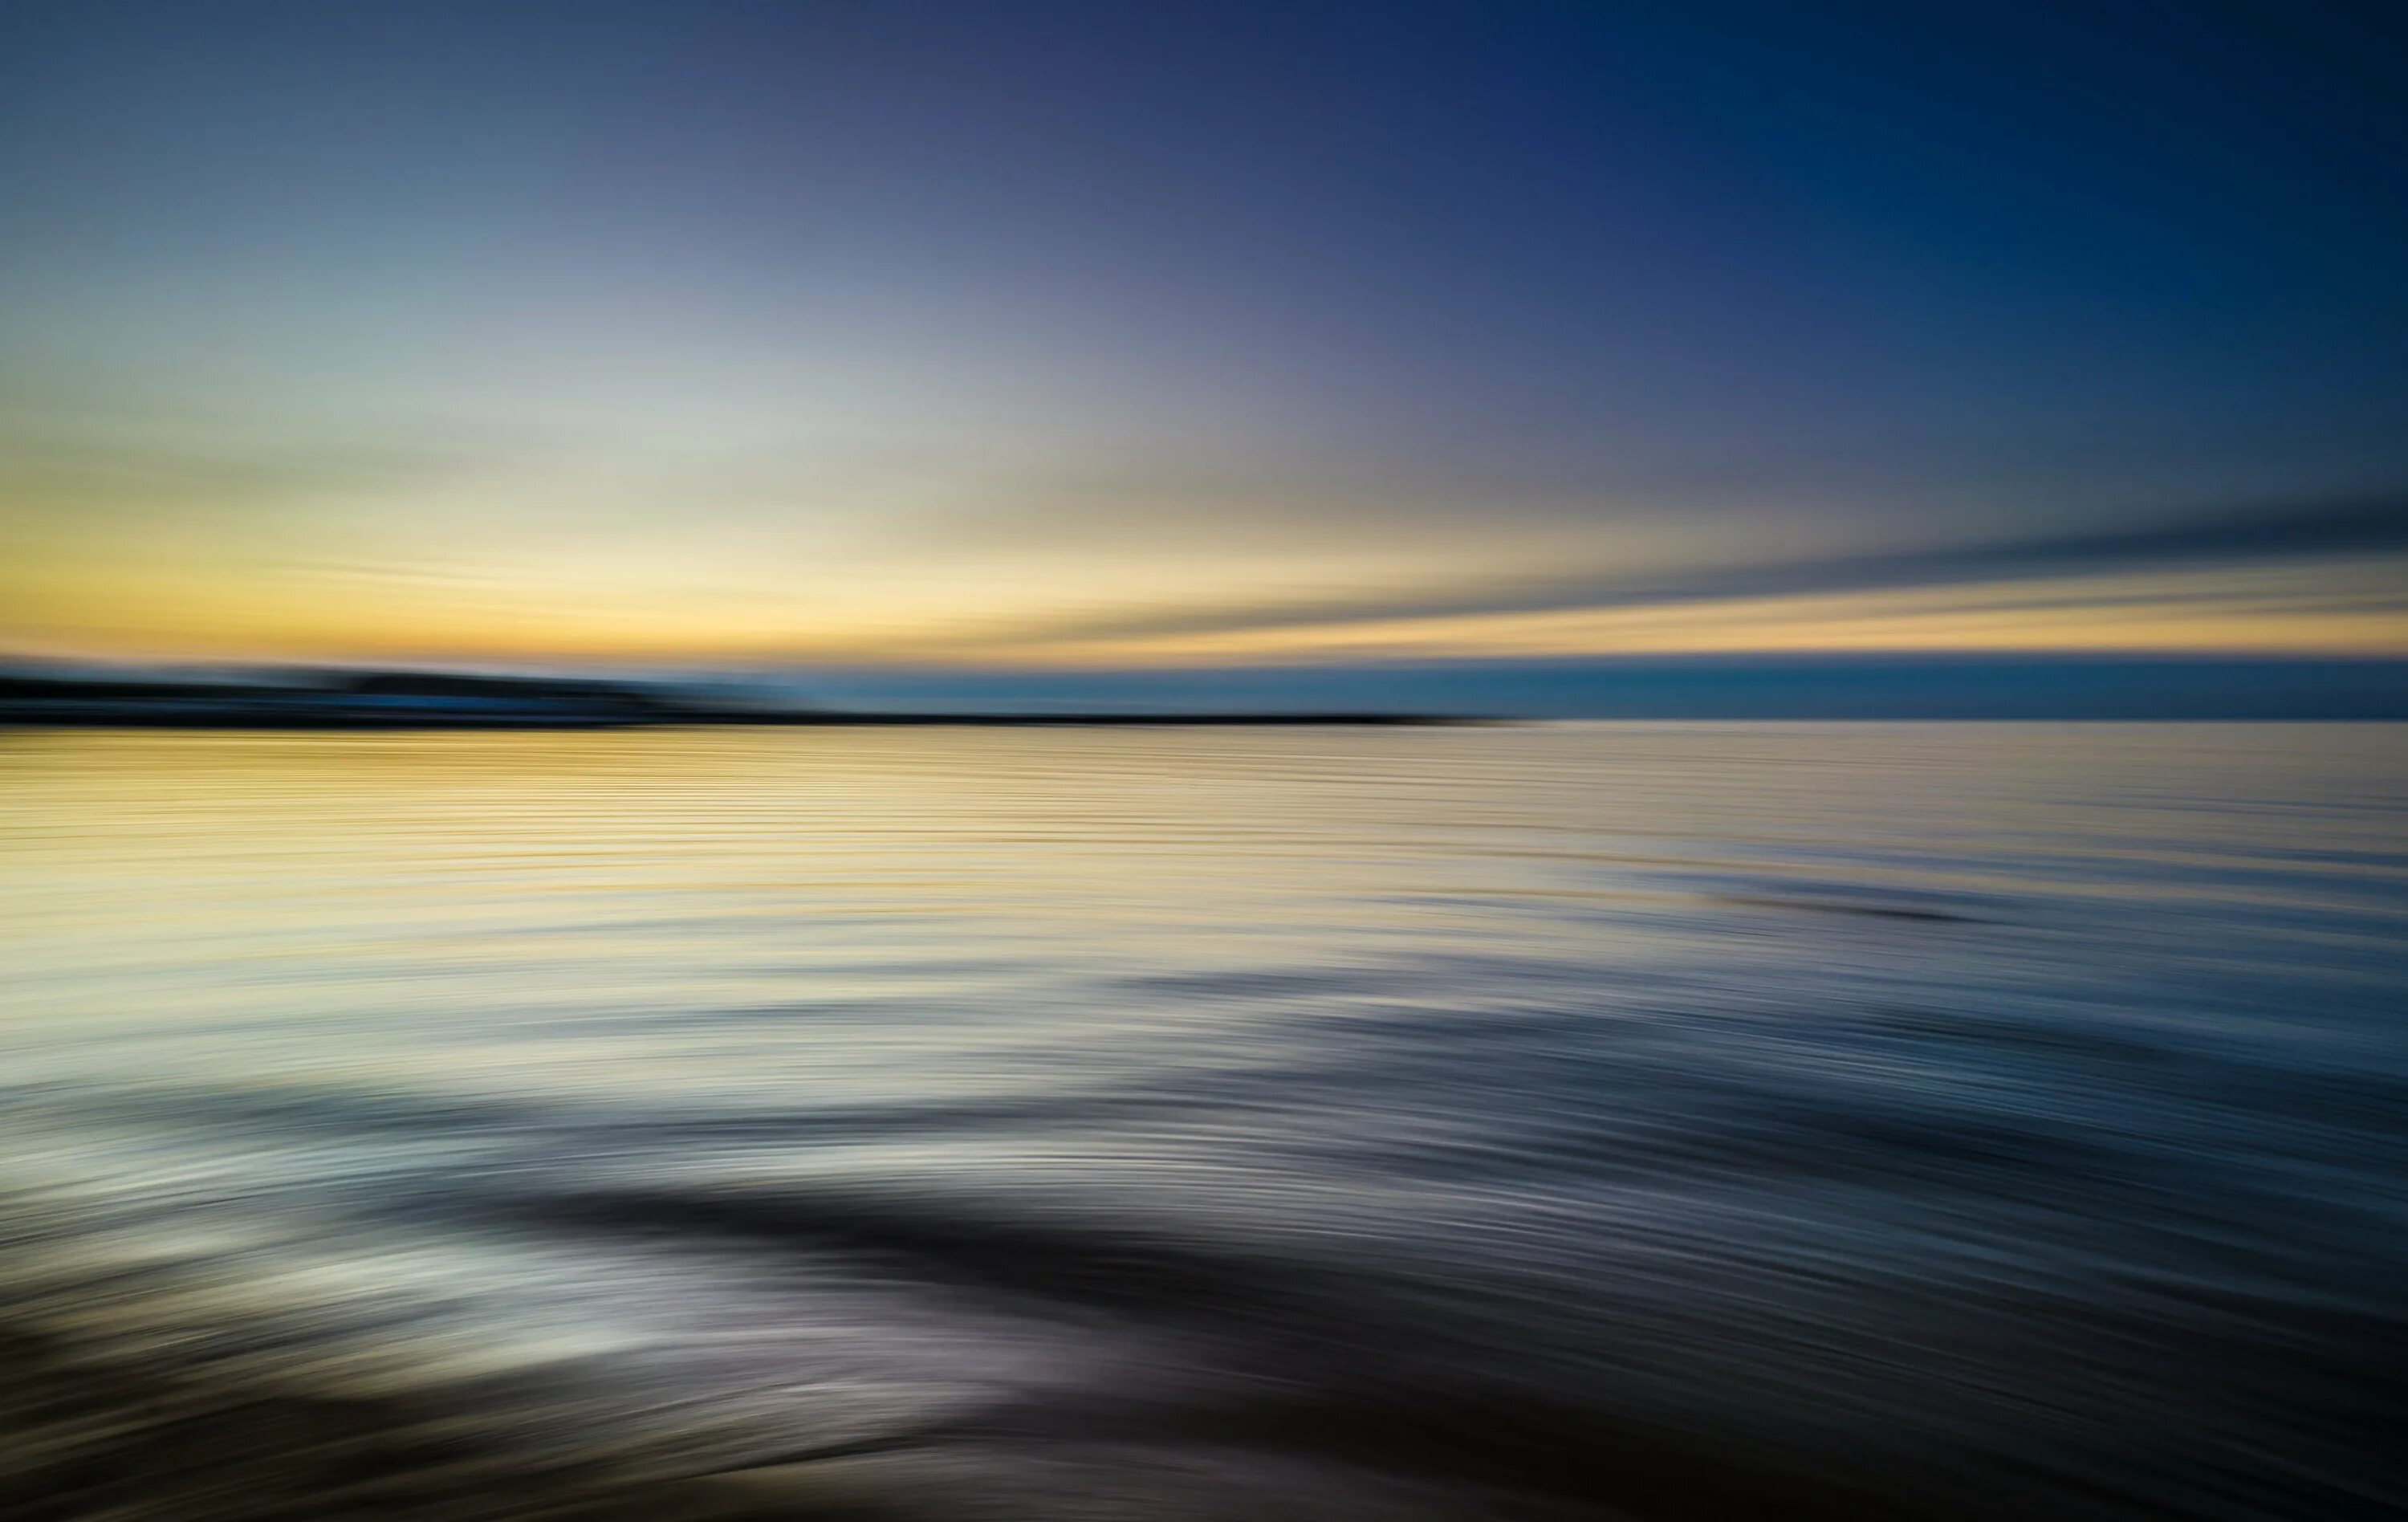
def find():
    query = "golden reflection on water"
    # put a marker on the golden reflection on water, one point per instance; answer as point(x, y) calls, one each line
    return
point(549, 882)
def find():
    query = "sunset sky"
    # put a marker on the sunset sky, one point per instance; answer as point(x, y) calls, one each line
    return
point(1138, 336)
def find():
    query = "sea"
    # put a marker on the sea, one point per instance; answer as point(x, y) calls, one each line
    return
point(1648, 1121)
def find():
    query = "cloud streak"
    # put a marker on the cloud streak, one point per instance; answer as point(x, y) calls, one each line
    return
point(2254, 534)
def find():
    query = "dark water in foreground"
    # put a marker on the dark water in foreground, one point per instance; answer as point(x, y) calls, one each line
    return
point(1666, 1122)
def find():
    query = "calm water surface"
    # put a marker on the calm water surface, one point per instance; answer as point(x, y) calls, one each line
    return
point(1649, 1120)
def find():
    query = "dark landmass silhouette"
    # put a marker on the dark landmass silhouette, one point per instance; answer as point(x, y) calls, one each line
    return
point(450, 700)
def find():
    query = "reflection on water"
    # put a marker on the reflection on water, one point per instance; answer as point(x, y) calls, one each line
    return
point(1674, 1121)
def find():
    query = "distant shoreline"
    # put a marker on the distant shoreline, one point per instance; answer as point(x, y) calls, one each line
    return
point(446, 700)
point(726, 721)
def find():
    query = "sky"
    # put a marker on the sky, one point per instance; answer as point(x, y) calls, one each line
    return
point(1055, 338)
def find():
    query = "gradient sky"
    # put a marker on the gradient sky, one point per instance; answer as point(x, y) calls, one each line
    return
point(1160, 335)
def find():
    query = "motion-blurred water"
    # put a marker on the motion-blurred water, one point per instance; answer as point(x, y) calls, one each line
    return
point(1660, 1121)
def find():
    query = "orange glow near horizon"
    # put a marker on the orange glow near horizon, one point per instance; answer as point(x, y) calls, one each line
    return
point(1092, 611)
